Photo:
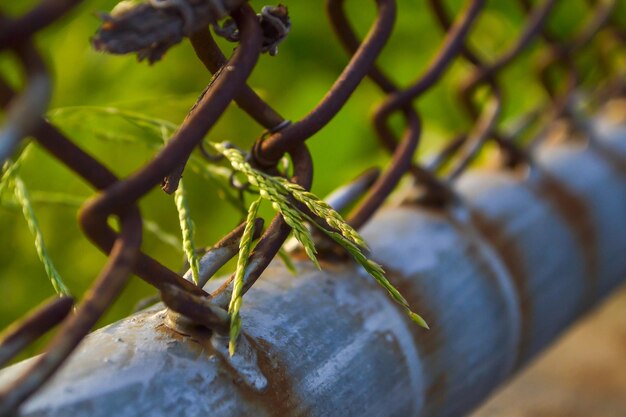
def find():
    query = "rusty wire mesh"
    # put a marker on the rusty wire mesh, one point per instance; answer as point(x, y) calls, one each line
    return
point(149, 29)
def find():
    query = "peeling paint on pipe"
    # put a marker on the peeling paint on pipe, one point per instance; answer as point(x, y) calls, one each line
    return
point(497, 279)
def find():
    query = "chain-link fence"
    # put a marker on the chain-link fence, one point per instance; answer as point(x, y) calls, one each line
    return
point(150, 29)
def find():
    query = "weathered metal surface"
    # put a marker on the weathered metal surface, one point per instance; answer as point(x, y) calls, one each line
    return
point(497, 278)
point(581, 375)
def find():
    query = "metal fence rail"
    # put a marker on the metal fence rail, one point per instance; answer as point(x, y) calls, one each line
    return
point(354, 352)
point(150, 29)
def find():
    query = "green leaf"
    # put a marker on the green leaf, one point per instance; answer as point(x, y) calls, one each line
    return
point(140, 120)
point(155, 132)
point(279, 191)
point(57, 199)
point(186, 223)
point(23, 198)
point(245, 249)
point(275, 192)
point(187, 229)
point(162, 235)
point(10, 168)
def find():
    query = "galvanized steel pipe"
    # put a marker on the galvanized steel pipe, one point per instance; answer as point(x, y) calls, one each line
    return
point(497, 278)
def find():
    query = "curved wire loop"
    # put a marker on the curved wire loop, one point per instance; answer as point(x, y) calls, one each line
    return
point(118, 199)
point(34, 325)
point(402, 100)
point(560, 56)
point(25, 109)
point(270, 150)
point(15, 31)
point(486, 122)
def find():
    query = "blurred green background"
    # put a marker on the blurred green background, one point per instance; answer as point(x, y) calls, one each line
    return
point(293, 82)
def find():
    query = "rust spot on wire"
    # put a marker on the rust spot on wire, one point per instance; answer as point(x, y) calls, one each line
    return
point(436, 392)
point(573, 210)
point(512, 259)
point(428, 342)
point(614, 159)
point(280, 398)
